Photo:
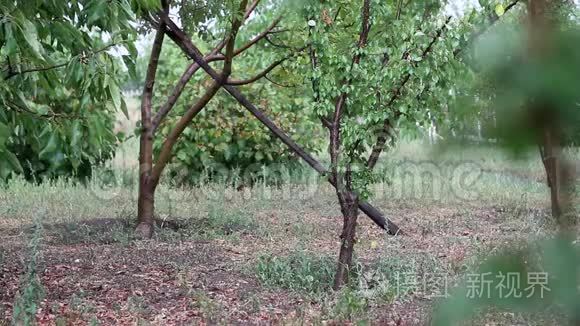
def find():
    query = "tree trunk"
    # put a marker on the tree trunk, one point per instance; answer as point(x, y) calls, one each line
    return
point(145, 210)
point(349, 208)
point(550, 157)
point(146, 198)
point(145, 204)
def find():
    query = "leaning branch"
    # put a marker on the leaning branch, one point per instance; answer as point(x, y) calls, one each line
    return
point(212, 56)
point(184, 42)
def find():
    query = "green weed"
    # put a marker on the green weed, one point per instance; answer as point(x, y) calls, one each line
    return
point(299, 272)
point(31, 290)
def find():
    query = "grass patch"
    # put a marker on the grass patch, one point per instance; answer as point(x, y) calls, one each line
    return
point(310, 274)
point(350, 304)
point(371, 285)
point(209, 308)
point(228, 222)
point(300, 272)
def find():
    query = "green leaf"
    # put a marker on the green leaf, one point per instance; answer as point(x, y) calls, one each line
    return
point(13, 161)
point(4, 134)
point(115, 94)
point(11, 45)
point(50, 147)
point(98, 11)
point(130, 64)
point(124, 108)
point(499, 10)
point(31, 37)
point(132, 50)
point(76, 134)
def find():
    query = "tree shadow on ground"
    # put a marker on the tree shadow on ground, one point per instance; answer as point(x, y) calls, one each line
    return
point(94, 231)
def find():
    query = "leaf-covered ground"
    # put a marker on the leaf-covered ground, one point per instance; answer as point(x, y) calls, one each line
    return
point(263, 255)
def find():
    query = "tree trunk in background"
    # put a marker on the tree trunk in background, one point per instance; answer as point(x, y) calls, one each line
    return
point(550, 153)
point(560, 173)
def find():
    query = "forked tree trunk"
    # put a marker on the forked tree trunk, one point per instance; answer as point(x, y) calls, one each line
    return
point(150, 171)
point(146, 199)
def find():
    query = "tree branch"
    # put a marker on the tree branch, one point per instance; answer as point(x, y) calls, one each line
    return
point(172, 99)
point(381, 140)
point(165, 154)
point(261, 74)
point(212, 56)
point(146, 148)
point(387, 124)
point(250, 9)
point(258, 37)
point(482, 30)
point(47, 116)
point(180, 86)
point(282, 46)
point(342, 180)
point(362, 41)
point(194, 67)
point(236, 24)
point(13, 73)
point(39, 69)
point(277, 83)
point(257, 77)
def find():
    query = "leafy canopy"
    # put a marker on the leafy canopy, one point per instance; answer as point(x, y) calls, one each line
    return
point(61, 62)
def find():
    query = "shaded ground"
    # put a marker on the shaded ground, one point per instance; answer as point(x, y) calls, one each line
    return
point(160, 283)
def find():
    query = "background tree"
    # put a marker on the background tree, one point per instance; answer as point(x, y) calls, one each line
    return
point(528, 101)
point(59, 85)
point(152, 166)
point(528, 81)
